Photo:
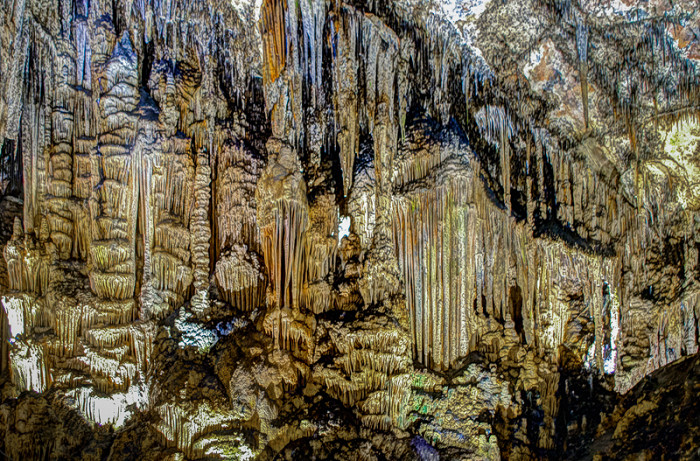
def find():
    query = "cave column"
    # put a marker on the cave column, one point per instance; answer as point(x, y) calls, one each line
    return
point(282, 212)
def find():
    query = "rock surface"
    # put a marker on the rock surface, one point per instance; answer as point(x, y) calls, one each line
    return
point(657, 419)
point(409, 229)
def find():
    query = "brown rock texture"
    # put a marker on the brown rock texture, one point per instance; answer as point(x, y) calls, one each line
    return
point(314, 229)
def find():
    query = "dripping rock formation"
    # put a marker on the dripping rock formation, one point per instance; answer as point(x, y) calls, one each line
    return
point(353, 230)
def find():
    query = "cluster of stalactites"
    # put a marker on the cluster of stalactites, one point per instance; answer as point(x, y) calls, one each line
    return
point(321, 248)
point(283, 246)
point(27, 265)
point(469, 268)
point(366, 61)
point(655, 334)
point(364, 50)
point(292, 330)
point(584, 200)
point(240, 278)
point(272, 28)
point(586, 203)
point(172, 192)
point(346, 97)
point(92, 337)
point(185, 429)
point(29, 367)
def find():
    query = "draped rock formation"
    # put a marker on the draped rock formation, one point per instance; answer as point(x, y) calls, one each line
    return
point(406, 229)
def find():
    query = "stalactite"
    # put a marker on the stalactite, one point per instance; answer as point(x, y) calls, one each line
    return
point(444, 232)
point(346, 97)
point(272, 28)
point(313, 19)
point(321, 247)
point(582, 48)
point(240, 278)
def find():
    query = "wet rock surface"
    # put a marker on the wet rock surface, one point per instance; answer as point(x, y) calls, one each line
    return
point(349, 230)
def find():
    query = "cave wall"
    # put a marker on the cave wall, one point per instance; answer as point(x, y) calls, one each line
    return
point(519, 184)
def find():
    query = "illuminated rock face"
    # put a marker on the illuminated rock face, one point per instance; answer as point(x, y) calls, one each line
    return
point(362, 230)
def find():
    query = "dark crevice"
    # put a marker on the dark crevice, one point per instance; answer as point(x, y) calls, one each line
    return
point(11, 166)
point(147, 63)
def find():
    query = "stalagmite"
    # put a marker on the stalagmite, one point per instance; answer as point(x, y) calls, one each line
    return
point(60, 158)
point(238, 269)
point(173, 194)
point(201, 233)
point(236, 181)
point(113, 196)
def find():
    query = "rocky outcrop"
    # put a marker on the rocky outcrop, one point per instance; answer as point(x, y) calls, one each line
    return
point(668, 398)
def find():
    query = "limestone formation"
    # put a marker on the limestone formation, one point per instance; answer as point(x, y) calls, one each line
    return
point(314, 229)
